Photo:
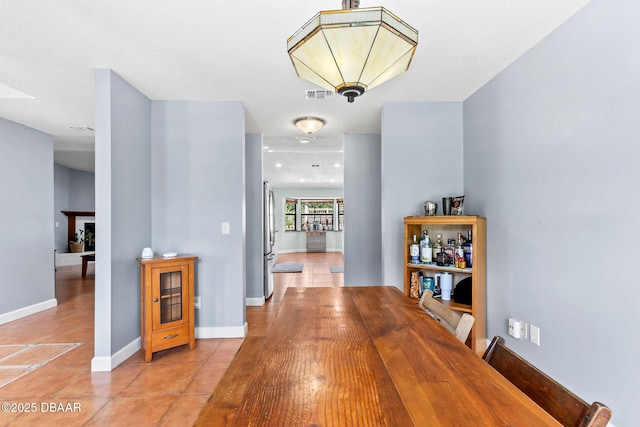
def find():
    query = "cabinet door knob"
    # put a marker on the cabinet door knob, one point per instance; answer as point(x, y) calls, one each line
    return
point(155, 300)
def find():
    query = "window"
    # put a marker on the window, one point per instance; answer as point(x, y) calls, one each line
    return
point(340, 214)
point(316, 214)
point(290, 208)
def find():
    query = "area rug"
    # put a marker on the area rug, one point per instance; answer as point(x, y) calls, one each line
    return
point(17, 360)
point(288, 267)
point(337, 268)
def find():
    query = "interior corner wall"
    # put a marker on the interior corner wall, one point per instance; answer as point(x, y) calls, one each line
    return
point(421, 160)
point(362, 198)
point(27, 243)
point(61, 203)
point(198, 169)
point(123, 209)
point(255, 276)
point(551, 158)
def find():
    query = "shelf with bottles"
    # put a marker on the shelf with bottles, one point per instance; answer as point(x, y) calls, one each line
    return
point(435, 267)
point(449, 227)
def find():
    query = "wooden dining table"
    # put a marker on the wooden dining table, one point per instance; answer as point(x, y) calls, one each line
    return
point(362, 356)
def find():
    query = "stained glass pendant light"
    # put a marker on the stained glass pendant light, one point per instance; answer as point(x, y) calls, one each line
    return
point(351, 51)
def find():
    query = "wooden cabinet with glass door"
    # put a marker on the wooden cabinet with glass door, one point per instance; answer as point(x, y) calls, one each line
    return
point(166, 303)
point(449, 227)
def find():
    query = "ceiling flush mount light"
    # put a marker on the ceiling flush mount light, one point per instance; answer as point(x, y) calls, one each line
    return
point(352, 50)
point(309, 125)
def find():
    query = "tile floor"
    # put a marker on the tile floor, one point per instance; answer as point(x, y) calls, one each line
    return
point(169, 391)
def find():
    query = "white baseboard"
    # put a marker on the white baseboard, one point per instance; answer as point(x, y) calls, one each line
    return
point(254, 302)
point(222, 331)
point(108, 363)
point(27, 311)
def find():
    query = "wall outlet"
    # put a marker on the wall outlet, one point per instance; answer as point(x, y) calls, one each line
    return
point(196, 302)
point(535, 335)
point(514, 328)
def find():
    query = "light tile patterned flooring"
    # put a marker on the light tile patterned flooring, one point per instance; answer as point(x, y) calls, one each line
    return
point(169, 391)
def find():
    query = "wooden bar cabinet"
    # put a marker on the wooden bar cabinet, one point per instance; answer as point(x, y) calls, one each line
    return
point(166, 303)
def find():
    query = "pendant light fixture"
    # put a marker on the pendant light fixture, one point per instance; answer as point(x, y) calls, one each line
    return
point(351, 51)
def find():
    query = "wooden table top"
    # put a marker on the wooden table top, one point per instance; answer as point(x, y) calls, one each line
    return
point(363, 356)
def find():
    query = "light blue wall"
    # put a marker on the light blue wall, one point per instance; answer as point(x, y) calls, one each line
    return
point(421, 160)
point(362, 195)
point(123, 208)
point(551, 158)
point(61, 203)
point(26, 215)
point(255, 277)
point(198, 159)
point(74, 191)
point(296, 241)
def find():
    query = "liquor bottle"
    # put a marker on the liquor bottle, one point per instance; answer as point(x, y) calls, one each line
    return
point(437, 246)
point(414, 251)
point(450, 250)
point(426, 251)
point(468, 250)
point(459, 257)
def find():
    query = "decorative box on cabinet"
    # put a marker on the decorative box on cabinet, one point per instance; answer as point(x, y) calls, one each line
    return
point(449, 226)
point(166, 303)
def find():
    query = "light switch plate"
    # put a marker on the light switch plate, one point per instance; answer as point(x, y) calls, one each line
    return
point(226, 228)
point(534, 333)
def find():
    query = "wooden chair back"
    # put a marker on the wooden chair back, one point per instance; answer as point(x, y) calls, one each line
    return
point(459, 324)
point(554, 398)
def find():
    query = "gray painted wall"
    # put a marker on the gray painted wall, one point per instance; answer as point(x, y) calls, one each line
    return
point(25, 211)
point(551, 158)
point(362, 195)
point(255, 277)
point(60, 203)
point(198, 159)
point(73, 191)
point(123, 208)
point(421, 160)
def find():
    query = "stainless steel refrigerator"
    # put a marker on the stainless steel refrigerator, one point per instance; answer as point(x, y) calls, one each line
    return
point(269, 232)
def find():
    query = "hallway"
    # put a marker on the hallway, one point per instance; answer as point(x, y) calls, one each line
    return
point(169, 391)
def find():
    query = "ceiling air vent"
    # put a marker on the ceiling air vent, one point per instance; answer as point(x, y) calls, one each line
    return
point(314, 94)
point(315, 166)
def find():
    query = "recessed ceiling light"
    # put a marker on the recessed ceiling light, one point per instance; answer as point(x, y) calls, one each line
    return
point(270, 151)
point(265, 148)
point(305, 139)
point(332, 180)
point(278, 165)
point(302, 180)
point(337, 165)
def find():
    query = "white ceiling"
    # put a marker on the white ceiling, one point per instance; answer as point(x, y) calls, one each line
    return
point(221, 51)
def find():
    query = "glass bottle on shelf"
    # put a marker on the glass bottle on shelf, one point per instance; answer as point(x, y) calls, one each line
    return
point(468, 250)
point(426, 251)
point(459, 255)
point(437, 246)
point(450, 250)
point(414, 251)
